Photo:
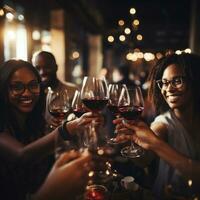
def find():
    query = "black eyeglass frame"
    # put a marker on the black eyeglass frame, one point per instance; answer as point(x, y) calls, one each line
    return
point(176, 82)
point(33, 87)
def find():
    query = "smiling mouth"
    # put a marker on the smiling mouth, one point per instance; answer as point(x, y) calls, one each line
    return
point(26, 102)
point(173, 98)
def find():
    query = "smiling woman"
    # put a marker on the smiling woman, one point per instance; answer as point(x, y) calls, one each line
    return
point(20, 86)
point(24, 90)
point(174, 135)
point(21, 122)
point(25, 148)
point(176, 97)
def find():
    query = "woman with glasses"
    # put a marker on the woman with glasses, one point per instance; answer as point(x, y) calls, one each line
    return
point(24, 148)
point(174, 135)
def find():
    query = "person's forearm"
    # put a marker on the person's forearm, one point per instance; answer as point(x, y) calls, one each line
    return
point(39, 148)
point(187, 167)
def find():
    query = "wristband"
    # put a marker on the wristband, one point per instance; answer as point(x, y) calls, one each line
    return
point(64, 133)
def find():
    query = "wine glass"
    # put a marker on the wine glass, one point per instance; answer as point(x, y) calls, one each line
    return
point(78, 107)
point(114, 94)
point(58, 107)
point(94, 96)
point(96, 192)
point(94, 93)
point(131, 105)
point(58, 103)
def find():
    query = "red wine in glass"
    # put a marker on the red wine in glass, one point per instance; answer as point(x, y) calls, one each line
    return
point(58, 113)
point(131, 112)
point(96, 192)
point(95, 104)
point(79, 111)
point(131, 104)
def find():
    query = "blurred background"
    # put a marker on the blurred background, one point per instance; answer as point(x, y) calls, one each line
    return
point(92, 37)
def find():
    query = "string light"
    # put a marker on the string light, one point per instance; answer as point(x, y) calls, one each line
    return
point(132, 11)
point(139, 37)
point(110, 38)
point(127, 31)
point(1, 12)
point(122, 38)
point(20, 17)
point(75, 54)
point(121, 22)
point(136, 22)
point(9, 16)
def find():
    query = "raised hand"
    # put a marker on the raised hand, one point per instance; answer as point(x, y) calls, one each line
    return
point(85, 120)
point(67, 178)
point(141, 134)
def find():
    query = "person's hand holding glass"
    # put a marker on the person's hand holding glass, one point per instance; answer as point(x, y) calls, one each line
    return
point(78, 107)
point(131, 105)
point(94, 95)
point(58, 107)
point(113, 104)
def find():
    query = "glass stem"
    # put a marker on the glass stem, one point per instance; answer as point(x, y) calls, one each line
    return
point(132, 145)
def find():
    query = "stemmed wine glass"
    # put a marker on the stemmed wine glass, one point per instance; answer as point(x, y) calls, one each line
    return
point(114, 94)
point(78, 107)
point(94, 95)
point(58, 103)
point(131, 105)
point(58, 107)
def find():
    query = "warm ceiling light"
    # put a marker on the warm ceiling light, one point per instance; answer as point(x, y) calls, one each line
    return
point(110, 38)
point(127, 31)
point(188, 50)
point(21, 17)
point(178, 52)
point(122, 38)
point(139, 37)
point(140, 55)
point(132, 11)
point(1, 12)
point(10, 16)
point(136, 22)
point(121, 22)
point(129, 56)
point(149, 56)
point(75, 54)
point(36, 35)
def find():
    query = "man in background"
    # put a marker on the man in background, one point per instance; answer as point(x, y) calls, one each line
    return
point(46, 65)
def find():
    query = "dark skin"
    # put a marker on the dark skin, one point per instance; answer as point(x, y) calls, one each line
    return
point(154, 139)
point(47, 70)
point(71, 166)
point(13, 150)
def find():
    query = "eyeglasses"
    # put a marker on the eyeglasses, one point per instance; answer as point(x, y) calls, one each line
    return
point(176, 82)
point(18, 88)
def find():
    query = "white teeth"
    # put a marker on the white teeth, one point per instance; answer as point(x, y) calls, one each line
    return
point(27, 101)
point(173, 98)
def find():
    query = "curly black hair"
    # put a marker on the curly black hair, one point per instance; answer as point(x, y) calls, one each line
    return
point(191, 66)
